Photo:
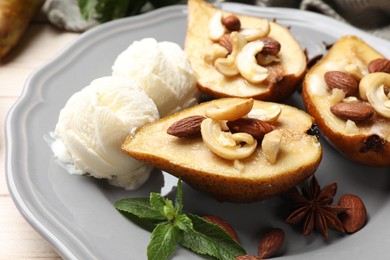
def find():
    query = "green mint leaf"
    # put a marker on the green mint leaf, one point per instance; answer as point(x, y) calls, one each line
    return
point(179, 198)
point(139, 207)
point(109, 10)
point(169, 210)
point(157, 202)
point(87, 8)
point(209, 239)
point(163, 241)
point(183, 222)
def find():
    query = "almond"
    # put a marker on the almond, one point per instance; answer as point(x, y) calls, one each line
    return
point(271, 46)
point(379, 65)
point(355, 217)
point(357, 111)
point(341, 80)
point(225, 42)
point(186, 127)
point(232, 23)
point(271, 242)
point(252, 126)
point(222, 224)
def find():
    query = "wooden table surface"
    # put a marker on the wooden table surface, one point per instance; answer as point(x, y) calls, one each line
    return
point(41, 42)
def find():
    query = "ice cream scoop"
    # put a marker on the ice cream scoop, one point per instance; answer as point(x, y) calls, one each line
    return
point(164, 72)
point(93, 125)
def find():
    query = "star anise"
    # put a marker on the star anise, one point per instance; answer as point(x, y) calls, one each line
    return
point(315, 208)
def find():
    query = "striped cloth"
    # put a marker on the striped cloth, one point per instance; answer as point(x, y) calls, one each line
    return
point(372, 16)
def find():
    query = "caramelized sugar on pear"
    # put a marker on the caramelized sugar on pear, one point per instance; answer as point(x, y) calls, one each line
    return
point(236, 55)
point(347, 94)
point(231, 166)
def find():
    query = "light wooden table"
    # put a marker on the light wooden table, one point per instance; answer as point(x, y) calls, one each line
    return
point(42, 42)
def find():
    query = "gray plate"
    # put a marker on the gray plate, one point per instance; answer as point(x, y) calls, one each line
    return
point(76, 214)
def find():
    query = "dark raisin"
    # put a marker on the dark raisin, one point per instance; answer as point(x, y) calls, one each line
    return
point(314, 130)
point(374, 143)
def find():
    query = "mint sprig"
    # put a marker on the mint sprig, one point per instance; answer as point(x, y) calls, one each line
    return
point(172, 227)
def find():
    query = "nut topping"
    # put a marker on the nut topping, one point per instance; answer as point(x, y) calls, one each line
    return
point(231, 112)
point(379, 65)
point(247, 63)
point(186, 127)
point(252, 126)
point(225, 42)
point(355, 217)
point(219, 142)
point(372, 88)
point(271, 46)
point(357, 111)
point(232, 23)
point(271, 146)
point(341, 80)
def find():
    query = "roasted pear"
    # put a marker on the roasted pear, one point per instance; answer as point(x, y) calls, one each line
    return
point(236, 55)
point(347, 92)
point(238, 150)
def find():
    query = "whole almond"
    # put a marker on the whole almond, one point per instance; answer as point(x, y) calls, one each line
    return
point(271, 46)
point(252, 126)
point(355, 217)
point(356, 111)
point(232, 23)
point(271, 242)
point(246, 257)
point(341, 80)
point(222, 224)
point(379, 65)
point(186, 127)
point(225, 42)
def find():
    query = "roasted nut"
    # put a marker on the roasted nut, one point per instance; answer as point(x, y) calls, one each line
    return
point(355, 217)
point(260, 30)
point(357, 111)
point(225, 42)
point(232, 23)
point(270, 244)
point(186, 127)
point(226, 145)
point(379, 65)
point(227, 66)
point(222, 224)
point(252, 126)
point(341, 80)
point(267, 114)
point(271, 145)
point(271, 46)
point(215, 28)
point(247, 63)
point(231, 112)
point(372, 88)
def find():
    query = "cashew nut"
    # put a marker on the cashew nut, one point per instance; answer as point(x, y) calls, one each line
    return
point(216, 28)
point(267, 114)
point(271, 146)
point(227, 66)
point(216, 51)
point(260, 30)
point(247, 63)
point(372, 88)
point(231, 112)
point(211, 134)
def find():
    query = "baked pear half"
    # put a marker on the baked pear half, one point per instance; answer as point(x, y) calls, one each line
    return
point(237, 150)
point(236, 55)
point(348, 92)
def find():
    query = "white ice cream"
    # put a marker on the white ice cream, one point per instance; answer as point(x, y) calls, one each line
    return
point(93, 125)
point(164, 72)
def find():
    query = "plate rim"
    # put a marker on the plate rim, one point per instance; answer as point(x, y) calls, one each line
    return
point(170, 11)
